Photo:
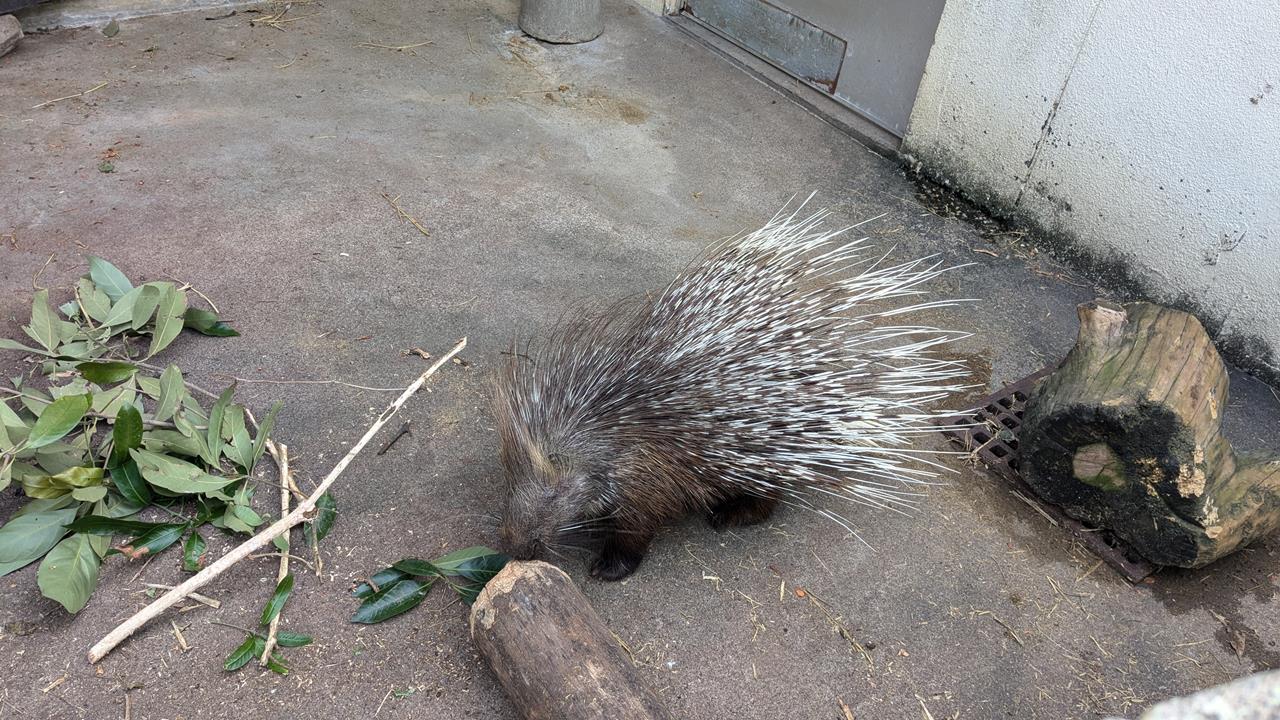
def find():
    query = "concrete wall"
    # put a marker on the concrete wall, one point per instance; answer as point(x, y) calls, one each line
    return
point(1142, 137)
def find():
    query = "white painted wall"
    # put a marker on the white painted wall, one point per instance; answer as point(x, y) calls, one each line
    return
point(1143, 132)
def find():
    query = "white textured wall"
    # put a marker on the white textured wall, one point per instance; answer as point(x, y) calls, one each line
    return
point(1141, 132)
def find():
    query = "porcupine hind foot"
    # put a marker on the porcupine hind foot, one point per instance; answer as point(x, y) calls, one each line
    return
point(741, 510)
point(621, 553)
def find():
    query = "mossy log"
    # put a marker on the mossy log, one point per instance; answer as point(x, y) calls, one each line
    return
point(552, 653)
point(1126, 435)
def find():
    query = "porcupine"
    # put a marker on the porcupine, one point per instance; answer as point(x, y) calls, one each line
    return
point(759, 376)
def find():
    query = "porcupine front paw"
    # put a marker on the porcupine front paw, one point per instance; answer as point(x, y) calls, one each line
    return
point(741, 510)
point(615, 564)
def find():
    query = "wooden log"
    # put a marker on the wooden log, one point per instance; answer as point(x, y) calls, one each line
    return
point(552, 653)
point(562, 21)
point(1126, 435)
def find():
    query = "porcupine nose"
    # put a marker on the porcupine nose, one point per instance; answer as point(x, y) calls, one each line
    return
point(515, 547)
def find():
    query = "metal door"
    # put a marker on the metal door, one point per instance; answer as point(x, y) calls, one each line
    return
point(868, 54)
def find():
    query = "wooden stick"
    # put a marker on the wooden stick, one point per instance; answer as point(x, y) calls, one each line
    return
point(400, 211)
point(215, 604)
point(200, 579)
point(283, 459)
point(99, 86)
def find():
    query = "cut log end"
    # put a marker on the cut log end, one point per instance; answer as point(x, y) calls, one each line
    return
point(1125, 435)
point(552, 653)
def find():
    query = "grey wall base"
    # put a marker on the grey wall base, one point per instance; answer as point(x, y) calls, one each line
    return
point(84, 13)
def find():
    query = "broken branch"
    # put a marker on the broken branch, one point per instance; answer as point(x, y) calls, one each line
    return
point(200, 579)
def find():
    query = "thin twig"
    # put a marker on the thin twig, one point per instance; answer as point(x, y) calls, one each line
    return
point(397, 48)
point(177, 633)
point(316, 382)
point(99, 86)
point(193, 289)
point(300, 513)
point(399, 210)
point(292, 557)
point(215, 604)
point(283, 459)
point(255, 633)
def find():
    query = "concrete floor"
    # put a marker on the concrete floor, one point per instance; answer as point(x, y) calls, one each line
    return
point(251, 163)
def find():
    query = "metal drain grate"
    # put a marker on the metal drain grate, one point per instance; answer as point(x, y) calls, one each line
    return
point(991, 433)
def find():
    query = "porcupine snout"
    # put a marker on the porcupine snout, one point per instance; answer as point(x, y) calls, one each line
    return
point(518, 536)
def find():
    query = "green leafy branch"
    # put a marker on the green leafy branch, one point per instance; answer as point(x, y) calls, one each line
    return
point(309, 509)
point(102, 443)
point(256, 643)
point(403, 586)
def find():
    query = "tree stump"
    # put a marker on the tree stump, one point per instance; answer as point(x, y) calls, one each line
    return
point(561, 21)
point(552, 653)
point(1125, 435)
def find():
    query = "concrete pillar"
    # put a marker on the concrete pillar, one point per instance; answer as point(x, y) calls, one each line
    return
point(562, 21)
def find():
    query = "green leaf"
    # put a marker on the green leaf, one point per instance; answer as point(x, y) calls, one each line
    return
point(109, 402)
point(281, 542)
point(39, 506)
point(69, 573)
point(469, 591)
point(154, 540)
point(264, 432)
point(246, 514)
point(414, 566)
point(276, 665)
point(102, 525)
point(89, 494)
point(78, 477)
point(58, 419)
point(474, 563)
point(188, 430)
point(171, 442)
point(7, 344)
point(229, 521)
point(216, 414)
point(175, 475)
point(252, 647)
point(145, 306)
point(278, 599)
point(108, 278)
point(398, 597)
point(6, 568)
point(116, 507)
point(43, 328)
point(207, 323)
point(380, 580)
point(30, 536)
point(327, 512)
point(288, 639)
point(128, 480)
point(106, 373)
point(126, 435)
point(173, 304)
point(95, 302)
point(171, 392)
point(240, 449)
point(193, 552)
point(121, 312)
point(233, 421)
point(42, 487)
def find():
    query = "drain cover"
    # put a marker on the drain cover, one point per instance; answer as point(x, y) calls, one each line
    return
point(990, 433)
